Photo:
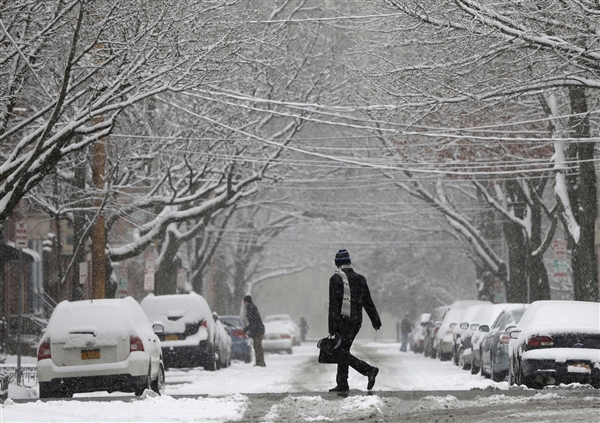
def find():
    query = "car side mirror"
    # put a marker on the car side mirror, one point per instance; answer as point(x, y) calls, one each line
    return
point(474, 326)
point(509, 328)
point(464, 326)
point(514, 334)
point(437, 324)
point(484, 328)
point(158, 328)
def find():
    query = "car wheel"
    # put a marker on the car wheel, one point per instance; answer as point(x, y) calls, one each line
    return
point(483, 372)
point(474, 367)
point(289, 351)
point(511, 374)
point(140, 389)
point(159, 384)
point(211, 361)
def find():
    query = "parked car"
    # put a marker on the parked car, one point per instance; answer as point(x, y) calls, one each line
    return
point(224, 343)
point(556, 342)
point(459, 330)
point(494, 344)
point(241, 348)
point(432, 328)
point(471, 355)
point(99, 345)
point(296, 333)
point(444, 338)
point(191, 337)
point(278, 336)
point(417, 339)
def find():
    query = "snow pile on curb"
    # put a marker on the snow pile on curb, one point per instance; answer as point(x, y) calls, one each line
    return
point(317, 409)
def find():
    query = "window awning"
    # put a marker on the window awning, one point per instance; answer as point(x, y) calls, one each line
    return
point(8, 252)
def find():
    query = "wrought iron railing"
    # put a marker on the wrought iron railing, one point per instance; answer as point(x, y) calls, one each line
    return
point(8, 375)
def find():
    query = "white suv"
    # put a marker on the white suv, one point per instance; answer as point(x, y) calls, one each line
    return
point(99, 345)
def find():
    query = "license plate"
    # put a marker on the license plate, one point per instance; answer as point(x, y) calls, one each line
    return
point(171, 337)
point(90, 354)
point(579, 368)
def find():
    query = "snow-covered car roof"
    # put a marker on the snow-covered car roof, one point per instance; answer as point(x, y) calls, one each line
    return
point(561, 316)
point(174, 311)
point(486, 315)
point(118, 317)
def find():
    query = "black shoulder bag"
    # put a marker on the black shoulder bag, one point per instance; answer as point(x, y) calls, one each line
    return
point(329, 349)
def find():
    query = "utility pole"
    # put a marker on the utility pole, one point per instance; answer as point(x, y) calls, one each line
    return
point(99, 227)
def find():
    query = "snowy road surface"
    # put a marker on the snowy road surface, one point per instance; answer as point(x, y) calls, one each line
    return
point(293, 388)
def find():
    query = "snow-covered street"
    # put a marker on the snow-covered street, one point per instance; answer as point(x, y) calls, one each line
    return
point(408, 384)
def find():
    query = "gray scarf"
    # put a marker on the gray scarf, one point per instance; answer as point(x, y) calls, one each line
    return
point(346, 300)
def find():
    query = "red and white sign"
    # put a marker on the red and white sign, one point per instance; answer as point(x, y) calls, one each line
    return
point(149, 272)
point(560, 249)
point(21, 237)
point(83, 273)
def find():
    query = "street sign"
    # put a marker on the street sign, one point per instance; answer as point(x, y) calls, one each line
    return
point(181, 278)
point(122, 283)
point(560, 269)
point(560, 249)
point(149, 272)
point(21, 235)
point(83, 273)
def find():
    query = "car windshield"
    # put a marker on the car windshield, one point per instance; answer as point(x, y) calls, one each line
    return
point(231, 321)
point(514, 317)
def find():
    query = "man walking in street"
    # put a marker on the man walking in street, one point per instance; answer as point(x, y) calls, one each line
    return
point(405, 329)
point(348, 294)
point(255, 330)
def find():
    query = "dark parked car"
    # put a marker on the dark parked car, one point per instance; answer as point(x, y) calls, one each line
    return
point(433, 325)
point(240, 343)
point(494, 344)
point(556, 342)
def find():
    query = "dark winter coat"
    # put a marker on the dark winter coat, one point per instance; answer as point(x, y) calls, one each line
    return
point(255, 324)
point(405, 326)
point(360, 298)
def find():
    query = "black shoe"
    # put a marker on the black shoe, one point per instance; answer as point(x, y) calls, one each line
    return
point(372, 375)
point(340, 389)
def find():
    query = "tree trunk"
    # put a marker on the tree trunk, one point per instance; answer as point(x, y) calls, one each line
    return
point(516, 286)
point(78, 234)
point(582, 193)
point(165, 277)
point(539, 286)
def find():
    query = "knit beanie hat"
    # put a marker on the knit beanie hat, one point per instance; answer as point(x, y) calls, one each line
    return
point(342, 257)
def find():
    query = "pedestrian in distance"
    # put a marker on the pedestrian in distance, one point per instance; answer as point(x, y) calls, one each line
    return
point(303, 328)
point(348, 294)
point(405, 330)
point(255, 330)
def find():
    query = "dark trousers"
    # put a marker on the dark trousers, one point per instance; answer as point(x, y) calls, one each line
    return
point(258, 350)
point(404, 341)
point(348, 360)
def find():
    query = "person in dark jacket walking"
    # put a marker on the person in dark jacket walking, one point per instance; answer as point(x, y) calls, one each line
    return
point(405, 329)
point(348, 294)
point(255, 330)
